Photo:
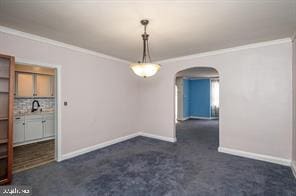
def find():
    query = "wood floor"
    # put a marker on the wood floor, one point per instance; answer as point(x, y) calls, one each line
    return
point(33, 155)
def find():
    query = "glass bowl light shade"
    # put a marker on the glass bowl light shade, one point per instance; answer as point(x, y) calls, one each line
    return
point(145, 69)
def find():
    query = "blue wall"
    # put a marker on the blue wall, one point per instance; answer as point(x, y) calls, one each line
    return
point(197, 98)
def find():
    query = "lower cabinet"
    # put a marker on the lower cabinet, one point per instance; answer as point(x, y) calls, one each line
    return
point(48, 126)
point(32, 128)
point(19, 130)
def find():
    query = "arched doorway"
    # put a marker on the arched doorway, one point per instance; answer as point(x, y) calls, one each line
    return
point(197, 104)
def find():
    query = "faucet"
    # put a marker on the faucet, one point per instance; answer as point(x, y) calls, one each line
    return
point(33, 106)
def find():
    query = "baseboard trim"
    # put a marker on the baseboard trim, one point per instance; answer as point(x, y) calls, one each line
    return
point(185, 118)
point(256, 156)
point(114, 141)
point(97, 146)
point(163, 138)
point(204, 118)
point(293, 167)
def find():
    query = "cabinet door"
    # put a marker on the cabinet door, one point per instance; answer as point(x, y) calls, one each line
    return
point(43, 85)
point(19, 131)
point(33, 129)
point(25, 85)
point(49, 127)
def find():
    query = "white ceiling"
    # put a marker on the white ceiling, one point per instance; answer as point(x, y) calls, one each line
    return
point(176, 28)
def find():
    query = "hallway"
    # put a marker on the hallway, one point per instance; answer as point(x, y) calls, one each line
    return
point(204, 133)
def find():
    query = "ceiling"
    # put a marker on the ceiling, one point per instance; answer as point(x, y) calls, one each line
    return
point(176, 28)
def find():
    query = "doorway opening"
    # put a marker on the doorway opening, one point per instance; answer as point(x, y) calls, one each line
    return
point(35, 111)
point(197, 104)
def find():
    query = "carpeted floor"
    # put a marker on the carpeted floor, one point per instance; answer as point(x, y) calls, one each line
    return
point(143, 166)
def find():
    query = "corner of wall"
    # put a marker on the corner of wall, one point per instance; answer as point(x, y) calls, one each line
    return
point(293, 166)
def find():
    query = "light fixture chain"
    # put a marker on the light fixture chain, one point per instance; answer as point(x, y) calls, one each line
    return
point(148, 52)
point(145, 69)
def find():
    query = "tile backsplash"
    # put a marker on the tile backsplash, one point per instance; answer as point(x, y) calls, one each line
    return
point(25, 104)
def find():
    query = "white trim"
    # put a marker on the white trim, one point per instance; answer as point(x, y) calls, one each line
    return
point(293, 167)
point(114, 141)
point(227, 50)
point(163, 138)
point(34, 141)
point(98, 146)
point(184, 118)
point(34, 37)
point(202, 117)
point(256, 156)
point(210, 108)
point(57, 43)
point(58, 113)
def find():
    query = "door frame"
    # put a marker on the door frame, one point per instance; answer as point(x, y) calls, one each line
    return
point(58, 101)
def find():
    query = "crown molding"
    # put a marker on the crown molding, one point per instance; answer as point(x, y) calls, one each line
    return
point(38, 38)
point(228, 50)
point(34, 37)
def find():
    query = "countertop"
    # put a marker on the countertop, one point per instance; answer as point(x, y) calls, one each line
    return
point(33, 113)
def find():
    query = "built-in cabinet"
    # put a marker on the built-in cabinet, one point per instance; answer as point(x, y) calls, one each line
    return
point(6, 111)
point(33, 128)
point(34, 85)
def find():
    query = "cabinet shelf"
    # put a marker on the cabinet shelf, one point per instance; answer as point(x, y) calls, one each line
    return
point(3, 141)
point(7, 65)
point(3, 156)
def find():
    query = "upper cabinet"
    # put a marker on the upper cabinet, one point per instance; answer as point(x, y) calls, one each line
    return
point(34, 85)
point(24, 84)
point(34, 81)
point(44, 85)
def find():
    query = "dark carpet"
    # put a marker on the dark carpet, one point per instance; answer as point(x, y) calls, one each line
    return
point(143, 166)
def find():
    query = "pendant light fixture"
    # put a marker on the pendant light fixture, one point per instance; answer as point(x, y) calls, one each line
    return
point(145, 68)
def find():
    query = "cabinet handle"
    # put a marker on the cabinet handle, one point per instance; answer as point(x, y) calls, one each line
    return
point(24, 123)
point(18, 118)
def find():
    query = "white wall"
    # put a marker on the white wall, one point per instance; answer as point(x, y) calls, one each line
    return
point(101, 93)
point(179, 84)
point(294, 106)
point(255, 97)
